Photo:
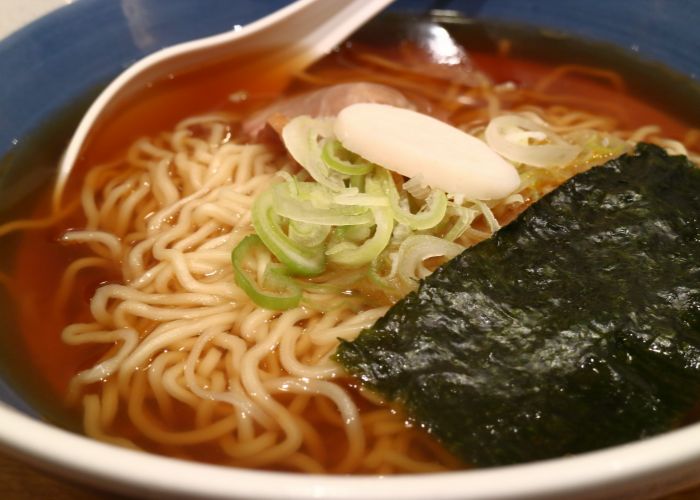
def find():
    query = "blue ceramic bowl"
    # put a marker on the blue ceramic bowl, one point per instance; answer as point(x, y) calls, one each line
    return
point(52, 68)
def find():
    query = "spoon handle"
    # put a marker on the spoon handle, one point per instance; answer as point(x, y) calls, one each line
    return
point(288, 40)
point(333, 21)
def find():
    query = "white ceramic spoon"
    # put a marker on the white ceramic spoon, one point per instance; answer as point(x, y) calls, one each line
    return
point(289, 39)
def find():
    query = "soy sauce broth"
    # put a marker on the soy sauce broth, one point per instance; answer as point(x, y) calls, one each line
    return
point(32, 352)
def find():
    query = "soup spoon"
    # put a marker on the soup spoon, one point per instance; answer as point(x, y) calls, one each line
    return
point(287, 40)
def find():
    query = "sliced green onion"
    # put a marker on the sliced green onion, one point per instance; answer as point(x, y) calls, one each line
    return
point(335, 282)
point(300, 260)
point(357, 181)
point(400, 233)
point(302, 137)
point(313, 205)
point(488, 215)
point(465, 217)
point(352, 255)
point(415, 187)
point(521, 139)
point(408, 265)
point(289, 179)
point(282, 293)
point(352, 234)
point(353, 196)
point(376, 276)
point(336, 157)
point(308, 235)
point(514, 198)
point(596, 145)
point(357, 233)
point(430, 215)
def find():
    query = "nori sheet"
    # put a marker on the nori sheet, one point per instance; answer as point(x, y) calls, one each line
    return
point(574, 328)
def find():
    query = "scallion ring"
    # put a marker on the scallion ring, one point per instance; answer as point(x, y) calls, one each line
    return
point(300, 260)
point(336, 157)
point(281, 292)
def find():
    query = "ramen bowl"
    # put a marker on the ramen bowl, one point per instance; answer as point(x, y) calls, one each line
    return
point(53, 67)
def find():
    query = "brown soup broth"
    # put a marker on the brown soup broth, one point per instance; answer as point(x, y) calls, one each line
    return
point(506, 54)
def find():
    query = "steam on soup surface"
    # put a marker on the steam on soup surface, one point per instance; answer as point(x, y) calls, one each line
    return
point(159, 343)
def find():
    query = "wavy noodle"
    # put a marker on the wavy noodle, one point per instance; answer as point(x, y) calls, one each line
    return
point(191, 367)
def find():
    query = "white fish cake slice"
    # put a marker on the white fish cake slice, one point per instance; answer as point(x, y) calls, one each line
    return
point(412, 143)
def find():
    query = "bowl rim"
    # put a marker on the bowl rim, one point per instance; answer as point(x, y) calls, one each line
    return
point(656, 464)
point(661, 463)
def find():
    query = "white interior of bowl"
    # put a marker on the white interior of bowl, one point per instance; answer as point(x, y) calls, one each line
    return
point(643, 469)
point(638, 470)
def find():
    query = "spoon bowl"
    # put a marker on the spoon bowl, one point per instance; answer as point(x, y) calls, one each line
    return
point(286, 41)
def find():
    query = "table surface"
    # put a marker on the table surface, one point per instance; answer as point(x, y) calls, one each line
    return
point(20, 482)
